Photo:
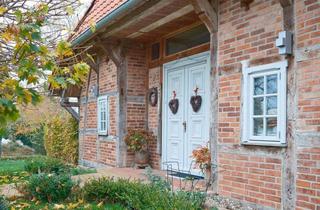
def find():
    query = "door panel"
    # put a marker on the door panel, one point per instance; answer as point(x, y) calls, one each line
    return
point(175, 133)
point(183, 77)
point(198, 122)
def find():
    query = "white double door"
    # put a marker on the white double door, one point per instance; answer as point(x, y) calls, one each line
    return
point(186, 130)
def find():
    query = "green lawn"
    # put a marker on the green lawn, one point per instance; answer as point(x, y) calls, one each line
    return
point(30, 205)
point(9, 166)
point(13, 171)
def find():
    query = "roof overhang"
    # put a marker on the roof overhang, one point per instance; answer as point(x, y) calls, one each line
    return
point(111, 17)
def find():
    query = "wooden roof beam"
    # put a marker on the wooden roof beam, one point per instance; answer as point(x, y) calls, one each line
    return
point(246, 3)
point(207, 12)
point(285, 3)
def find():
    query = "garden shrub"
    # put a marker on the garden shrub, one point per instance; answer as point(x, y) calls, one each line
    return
point(195, 200)
point(137, 195)
point(44, 164)
point(49, 187)
point(157, 180)
point(34, 139)
point(61, 139)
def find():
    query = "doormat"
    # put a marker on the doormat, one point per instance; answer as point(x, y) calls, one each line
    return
point(184, 175)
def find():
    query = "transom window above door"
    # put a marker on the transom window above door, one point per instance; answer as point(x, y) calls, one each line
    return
point(187, 39)
point(264, 104)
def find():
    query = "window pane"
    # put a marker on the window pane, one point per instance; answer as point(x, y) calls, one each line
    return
point(272, 86)
point(271, 126)
point(258, 85)
point(187, 39)
point(258, 106)
point(272, 105)
point(155, 51)
point(258, 126)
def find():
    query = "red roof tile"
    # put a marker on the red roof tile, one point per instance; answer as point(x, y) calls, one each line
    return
point(97, 10)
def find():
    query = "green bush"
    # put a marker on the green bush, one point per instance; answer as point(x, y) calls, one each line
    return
point(49, 187)
point(157, 180)
point(61, 139)
point(195, 199)
point(44, 164)
point(137, 195)
point(34, 139)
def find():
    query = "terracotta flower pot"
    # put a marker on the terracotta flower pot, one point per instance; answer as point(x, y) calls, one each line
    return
point(141, 158)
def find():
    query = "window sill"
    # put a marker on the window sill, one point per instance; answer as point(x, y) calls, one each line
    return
point(263, 144)
point(106, 137)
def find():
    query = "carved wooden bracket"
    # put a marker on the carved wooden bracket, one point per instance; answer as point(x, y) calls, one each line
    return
point(246, 3)
point(94, 64)
point(114, 50)
point(285, 3)
point(207, 12)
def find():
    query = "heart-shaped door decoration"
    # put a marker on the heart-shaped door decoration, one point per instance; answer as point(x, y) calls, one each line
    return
point(174, 104)
point(196, 101)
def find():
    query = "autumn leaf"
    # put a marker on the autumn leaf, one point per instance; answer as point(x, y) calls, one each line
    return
point(100, 204)
point(64, 49)
point(58, 206)
point(7, 36)
point(70, 10)
point(2, 10)
point(93, 27)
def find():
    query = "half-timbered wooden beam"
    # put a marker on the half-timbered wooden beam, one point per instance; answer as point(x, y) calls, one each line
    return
point(207, 13)
point(246, 3)
point(285, 3)
point(113, 50)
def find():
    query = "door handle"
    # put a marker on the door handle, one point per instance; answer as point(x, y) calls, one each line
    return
point(184, 126)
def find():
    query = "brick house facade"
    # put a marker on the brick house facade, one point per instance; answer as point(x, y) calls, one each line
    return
point(242, 35)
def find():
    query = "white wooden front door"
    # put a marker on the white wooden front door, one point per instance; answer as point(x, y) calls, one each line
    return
point(187, 129)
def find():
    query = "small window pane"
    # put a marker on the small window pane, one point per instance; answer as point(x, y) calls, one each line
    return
point(155, 51)
point(187, 39)
point(258, 126)
point(258, 106)
point(272, 86)
point(272, 126)
point(272, 105)
point(258, 85)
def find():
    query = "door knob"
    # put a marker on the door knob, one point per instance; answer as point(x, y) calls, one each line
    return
point(184, 126)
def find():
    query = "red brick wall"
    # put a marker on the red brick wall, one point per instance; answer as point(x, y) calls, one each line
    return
point(89, 148)
point(107, 153)
point(255, 179)
point(136, 91)
point(308, 178)
point(137, 71)
point(308, 118)
point(96, 149)
point(250, 35)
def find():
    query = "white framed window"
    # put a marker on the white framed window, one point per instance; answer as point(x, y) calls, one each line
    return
point(103, 115)
point(264, 104)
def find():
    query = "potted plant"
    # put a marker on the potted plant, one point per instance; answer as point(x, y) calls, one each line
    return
point(137, 141)
point(202, 157)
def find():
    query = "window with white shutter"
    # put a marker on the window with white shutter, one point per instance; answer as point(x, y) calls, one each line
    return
point(264, 104)
point(103, 115)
